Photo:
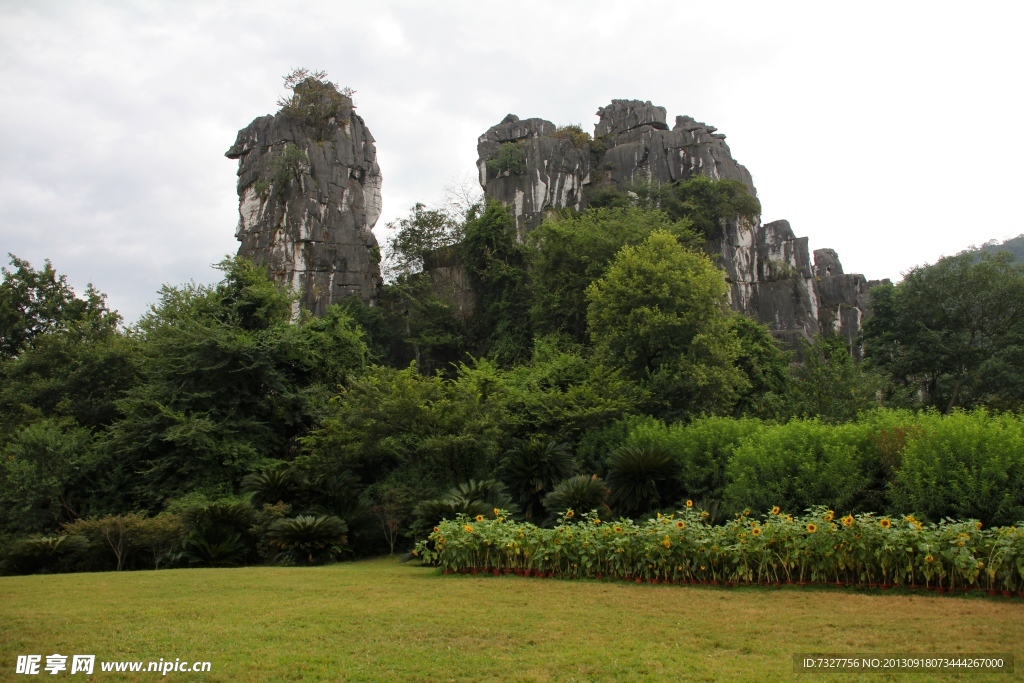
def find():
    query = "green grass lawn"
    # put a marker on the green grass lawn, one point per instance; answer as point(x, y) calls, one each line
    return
point(379, 620)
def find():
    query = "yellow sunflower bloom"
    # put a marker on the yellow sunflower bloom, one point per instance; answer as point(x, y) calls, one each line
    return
point(468, 529)
point(812, 527)
point(829, 516)
point(617, 529)
point(979, 526)
point(929, 559)
point(689, 503)
point(776, 510)
point(666, 542)
point(756, 531)
point(479, 518)
point(885, 522)
point(570, 514)
point(497, 512)
point(848, 521)
point(436, 529)
point(705, 514)
point(680, 524)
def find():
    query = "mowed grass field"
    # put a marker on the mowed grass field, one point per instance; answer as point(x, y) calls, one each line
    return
point(379, 620)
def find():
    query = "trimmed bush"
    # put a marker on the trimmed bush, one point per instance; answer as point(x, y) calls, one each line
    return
point(964, 465)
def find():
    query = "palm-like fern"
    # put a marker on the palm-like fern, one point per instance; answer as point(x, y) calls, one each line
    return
point(534, 469)
point(309, 539)
point(641, 478)
point(273, 486)
point(579, 494)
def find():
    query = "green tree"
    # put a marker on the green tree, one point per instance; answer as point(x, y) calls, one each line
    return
point(495, 264)
point(831, 385)
point(953, 330)
point(661, 314)
point(227, 382)
point(570, 252)
point(703, 202)
point(766, 367)
point(35, 302)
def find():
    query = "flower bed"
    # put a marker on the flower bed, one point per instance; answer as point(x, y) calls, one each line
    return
point(818, 547)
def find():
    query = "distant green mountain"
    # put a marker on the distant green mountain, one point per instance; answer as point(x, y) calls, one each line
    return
point(1014, 245)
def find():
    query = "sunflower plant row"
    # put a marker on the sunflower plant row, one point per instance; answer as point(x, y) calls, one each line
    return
point(817, 546)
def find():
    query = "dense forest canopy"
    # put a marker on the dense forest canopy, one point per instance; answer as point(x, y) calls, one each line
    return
point(594, 365)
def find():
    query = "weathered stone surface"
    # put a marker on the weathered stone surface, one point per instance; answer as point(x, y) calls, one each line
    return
point(826, 263)
point(309, 216)
point(554, 169)
point(769, 268)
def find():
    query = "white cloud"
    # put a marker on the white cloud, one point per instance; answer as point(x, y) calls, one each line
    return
point(887, 131)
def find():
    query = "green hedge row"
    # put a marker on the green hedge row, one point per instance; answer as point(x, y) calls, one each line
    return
point(961, 466)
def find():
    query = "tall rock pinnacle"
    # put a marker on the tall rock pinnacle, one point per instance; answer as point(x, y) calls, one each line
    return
point(309, 196)
point(533, 166)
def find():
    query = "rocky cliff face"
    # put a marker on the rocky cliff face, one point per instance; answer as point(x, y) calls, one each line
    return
point(309, 196)
point(769, 268)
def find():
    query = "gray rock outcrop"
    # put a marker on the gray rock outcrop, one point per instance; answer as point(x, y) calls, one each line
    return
point(770, 270)
point(309, 196)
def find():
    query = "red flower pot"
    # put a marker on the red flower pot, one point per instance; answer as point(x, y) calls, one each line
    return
point(1020, 594)
point(789, 582)
point(1007, 594)
point(599, 577)
point(940, 589)
point(993, 592)
point(885, 586)
point(639, 580)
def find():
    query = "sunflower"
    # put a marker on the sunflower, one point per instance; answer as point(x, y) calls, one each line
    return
point(885, 522)
point(917, 525)
point(570, 514)
point(468, 529)
point(497, 512)
point(776, 510)
point(979, 526)
point(848, 521)
point(617, 529)
point(981, 565)
point(595, 520)
point(832, 526)
point(689, 503)
point(436, 529)
point(746, 513)
point(788, 518)
point(929, 559)
point(756, 531)
point(812, 527)
point(960, 543)
point(830, 515)
point(705, 514)
point(666, 542)
point(680, 524)
point(909, 518)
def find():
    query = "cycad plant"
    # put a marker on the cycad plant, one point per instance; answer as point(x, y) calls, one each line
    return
point(580, 494)
point(218, 534)
point(533, 469)
point(309, 539)
point(279, 485)
point(471, 498)
point(642, 478)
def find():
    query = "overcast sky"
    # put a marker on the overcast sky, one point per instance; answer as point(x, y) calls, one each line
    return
point(891, 132)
